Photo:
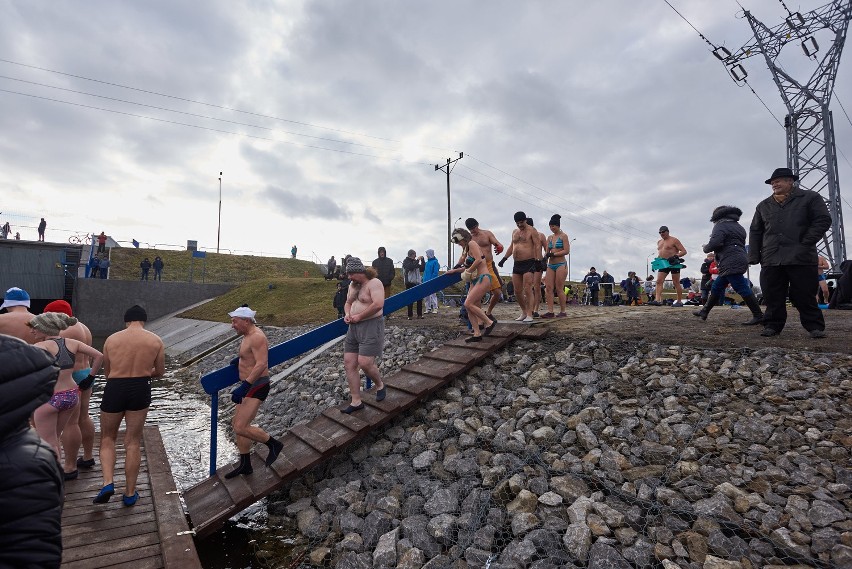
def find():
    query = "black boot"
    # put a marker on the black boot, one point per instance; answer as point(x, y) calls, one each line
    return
point(244, 467)
point(757, 314)
point(712, 300)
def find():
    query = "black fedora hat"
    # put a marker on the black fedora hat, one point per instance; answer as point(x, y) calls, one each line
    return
point(782, 173)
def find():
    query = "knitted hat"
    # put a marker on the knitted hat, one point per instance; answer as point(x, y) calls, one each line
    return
point(59, 306)
point(354, 265)
point(15, 297)
point(556, 220)
point(51, 323)
point(135, 314)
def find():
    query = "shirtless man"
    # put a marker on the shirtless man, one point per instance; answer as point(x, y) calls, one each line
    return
point(541, 267)
point(252, 391)
point(668, 247)
point(822, 267)
point(132, 357)
point(486, 239)
point(80, 428)
point(16, 301)
point(365, 339)
point(522, 250)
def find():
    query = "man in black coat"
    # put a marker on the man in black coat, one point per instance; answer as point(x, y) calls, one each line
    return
point(31, 482)
point(384, 269)
point(783, 236)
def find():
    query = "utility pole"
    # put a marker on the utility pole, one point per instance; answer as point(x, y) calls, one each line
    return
point(809, 126)
point(219, 227)
point(448, 167)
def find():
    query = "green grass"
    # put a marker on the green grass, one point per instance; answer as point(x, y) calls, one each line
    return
point(215, 268)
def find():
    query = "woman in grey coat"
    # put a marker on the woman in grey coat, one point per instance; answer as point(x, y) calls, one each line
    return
point(728, 242)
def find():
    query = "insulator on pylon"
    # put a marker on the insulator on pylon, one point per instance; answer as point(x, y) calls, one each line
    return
point(810, 46)
point(721, 53)
point(796, 20)
point(738, 72)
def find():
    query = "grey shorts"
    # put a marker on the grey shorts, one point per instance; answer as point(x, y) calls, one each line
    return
point(365, 338)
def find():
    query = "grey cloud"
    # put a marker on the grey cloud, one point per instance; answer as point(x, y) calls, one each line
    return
point(296, 204)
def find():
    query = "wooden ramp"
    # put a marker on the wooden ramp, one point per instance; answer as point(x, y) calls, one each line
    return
point(153, 533)
point(214, 500)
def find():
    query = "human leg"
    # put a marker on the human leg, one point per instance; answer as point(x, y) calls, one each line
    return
point(87, 426)
point(549, 284)
point(774, 284)
point(658, 291)
point(71, 438)
point(717, 292)
point(353, 378)
point(803, 291)
point(518, 284)
point(677, 286)
point(45, 418)
point(411, 306)
point(368, 364)
point(134, 421)
point(110, 423)
point(473, 302)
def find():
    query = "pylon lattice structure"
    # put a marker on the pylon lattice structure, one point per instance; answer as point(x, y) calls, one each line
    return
point(811, 150)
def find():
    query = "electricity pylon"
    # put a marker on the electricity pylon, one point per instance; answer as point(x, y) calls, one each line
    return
point(811, 150)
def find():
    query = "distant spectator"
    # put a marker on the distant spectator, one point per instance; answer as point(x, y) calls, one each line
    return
point(42, 226)
point(650, 286)
point(5, 230)
point(593, 280)
point(145, 265)
point(293, 250)
point(102, 239)
point(158, 268)
point(332, 266)
point(384, 269)
point(433, 268)
point(17, 236)
point(842, 296)
point(628, 285)
point(31, 485)
point(412, 270)
point(340, 297)
point(94, 264)
point(103, 266)
point(706, 277)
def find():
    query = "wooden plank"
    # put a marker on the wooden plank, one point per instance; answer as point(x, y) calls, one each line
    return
point(105, 551)
point(298, 452)
point(238, 490)
point(207, 502)
point(395, 400)
point(414, 383)
point(534, 333)
point(96, 540)
point(435, 368)
point(318, 441)
point(121, 557)
point(178, 548)
point(354, 424)
point(84, 518)
point(338, 434)
point(137, 517)
point(457, 354)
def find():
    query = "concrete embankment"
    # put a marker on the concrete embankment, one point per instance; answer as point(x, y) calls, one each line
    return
point(101, 303)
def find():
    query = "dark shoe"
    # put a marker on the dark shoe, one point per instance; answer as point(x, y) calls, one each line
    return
point(381, 394)
point(769, 332)
point(74, 473)
point(473, 339)
point(129, 500)
point(712, 301)
point(85, 463)
point(655, 303)
point(536, 315)
point(701, 314)
point(756, 313)
point(814, 334)
point(275, 448)
point(244, 468)
point(352, 408)
point(491, 326)
point(104, 495)
point(548, 315)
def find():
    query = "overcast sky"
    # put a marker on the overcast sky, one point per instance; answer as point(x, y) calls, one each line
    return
point(327, 120)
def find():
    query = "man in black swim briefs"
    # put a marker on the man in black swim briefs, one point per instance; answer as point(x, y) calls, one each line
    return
point(132, 357)
point(251, 392)
point(522, 250)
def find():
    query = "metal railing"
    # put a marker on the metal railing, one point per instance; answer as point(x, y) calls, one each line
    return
point(224, 377)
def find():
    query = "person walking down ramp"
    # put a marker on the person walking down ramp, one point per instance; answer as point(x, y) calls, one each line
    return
point(728, 242)
point(252, 391)
point(132, 357)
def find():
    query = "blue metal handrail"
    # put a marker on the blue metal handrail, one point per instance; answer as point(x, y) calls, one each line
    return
point(224, 377)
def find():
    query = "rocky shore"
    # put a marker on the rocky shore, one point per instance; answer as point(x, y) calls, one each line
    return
point(590, 454)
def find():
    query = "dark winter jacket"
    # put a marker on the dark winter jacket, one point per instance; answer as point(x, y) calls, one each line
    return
point(706, 279)
point(728, 241)
point(31, 485)
point(412, 270)
point(842, 296)
point(384, 267)
point(787, 233)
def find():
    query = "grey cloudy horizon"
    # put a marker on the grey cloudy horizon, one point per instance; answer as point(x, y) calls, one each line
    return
point(613, 114)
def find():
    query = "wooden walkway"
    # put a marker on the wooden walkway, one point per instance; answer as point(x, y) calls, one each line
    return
point(153, 533)
point(214, 500)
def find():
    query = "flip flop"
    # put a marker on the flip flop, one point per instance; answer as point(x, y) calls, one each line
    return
point(352, 408)
point(104, 495)
point(381, 394)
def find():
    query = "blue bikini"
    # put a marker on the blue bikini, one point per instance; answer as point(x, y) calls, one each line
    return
point(558, 245)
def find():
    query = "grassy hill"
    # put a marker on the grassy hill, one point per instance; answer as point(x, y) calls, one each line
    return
point(215, 268)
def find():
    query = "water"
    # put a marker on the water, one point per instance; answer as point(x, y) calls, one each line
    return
point(181, 410)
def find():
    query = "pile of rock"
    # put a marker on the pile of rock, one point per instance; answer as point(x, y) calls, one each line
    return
point(599, 454)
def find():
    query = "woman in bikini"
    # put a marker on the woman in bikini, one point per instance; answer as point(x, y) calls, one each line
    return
point(50, 419)
point(474, 271)
point(558, 246)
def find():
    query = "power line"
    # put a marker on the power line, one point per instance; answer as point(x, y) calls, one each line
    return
point(301, 145)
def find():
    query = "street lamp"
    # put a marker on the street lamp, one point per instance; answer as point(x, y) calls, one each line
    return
point(219, 227)
point(569, 258)
point(455, 224)
point(647, 266)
